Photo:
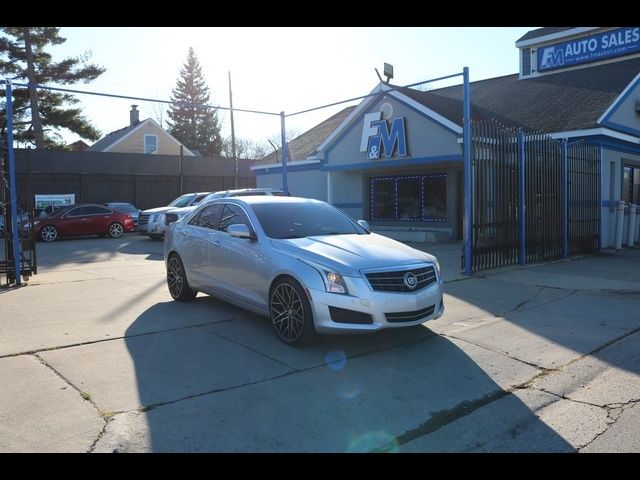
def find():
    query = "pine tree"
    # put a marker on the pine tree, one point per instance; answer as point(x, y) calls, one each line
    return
point(40, 114)
point(198, 128)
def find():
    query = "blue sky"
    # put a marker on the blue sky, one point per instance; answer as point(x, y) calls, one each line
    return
point(276, 69)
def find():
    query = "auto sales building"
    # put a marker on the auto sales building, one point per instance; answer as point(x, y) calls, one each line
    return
point(396, 158)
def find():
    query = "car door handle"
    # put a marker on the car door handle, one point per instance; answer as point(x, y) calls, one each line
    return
point(215, 242)
point(84, 220)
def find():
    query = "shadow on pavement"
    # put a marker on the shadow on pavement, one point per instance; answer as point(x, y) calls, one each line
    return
point(232, 386)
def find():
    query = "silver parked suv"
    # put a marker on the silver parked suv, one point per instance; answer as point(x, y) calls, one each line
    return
point(150, 221)
point(174, 214)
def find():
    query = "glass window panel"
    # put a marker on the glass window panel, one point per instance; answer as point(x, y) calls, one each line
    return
point(409, 198)
point(150, 143)
point(383, 201)
point(209, 216)
point(435, 197)
point(231, 215)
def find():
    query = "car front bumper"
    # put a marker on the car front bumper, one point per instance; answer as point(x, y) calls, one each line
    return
point(155, 227)
point(377, 305)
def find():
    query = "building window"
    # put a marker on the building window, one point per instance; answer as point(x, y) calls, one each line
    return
point(150, 143)
point(435, 197)
point(631, 184)
point(415, 198)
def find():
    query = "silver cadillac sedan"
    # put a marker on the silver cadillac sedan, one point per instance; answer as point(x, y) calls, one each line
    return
point(304, 264)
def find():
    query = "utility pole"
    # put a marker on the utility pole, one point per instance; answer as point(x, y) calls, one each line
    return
point(233, 133)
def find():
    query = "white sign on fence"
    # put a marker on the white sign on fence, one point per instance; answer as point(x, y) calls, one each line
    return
point(57, 200)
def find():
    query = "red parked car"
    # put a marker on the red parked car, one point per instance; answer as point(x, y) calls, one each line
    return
point(82, 220)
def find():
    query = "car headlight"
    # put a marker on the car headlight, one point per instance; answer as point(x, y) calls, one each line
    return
point(161, 218)
point(333, 281)
point(437, 265)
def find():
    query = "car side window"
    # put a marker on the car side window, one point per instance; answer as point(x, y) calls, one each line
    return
point(195, 219)
point(209, 216)
point(97, 211)
point(231, 215)
point(78, 212)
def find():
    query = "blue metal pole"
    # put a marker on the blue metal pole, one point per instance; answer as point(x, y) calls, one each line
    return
point(285, 187)
point(468, 174)
point(13, 199)
point(565, 199)
point(522, 251)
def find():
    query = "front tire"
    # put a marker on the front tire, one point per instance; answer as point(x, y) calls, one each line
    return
point(290, 312)
point(116, 230)
point(177, 280)
point(49, 233)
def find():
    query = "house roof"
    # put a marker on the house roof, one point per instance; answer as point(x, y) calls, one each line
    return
point(111, 138)
point(77, 146)
point(565, 101)
point(542, 32)
point(305, 144)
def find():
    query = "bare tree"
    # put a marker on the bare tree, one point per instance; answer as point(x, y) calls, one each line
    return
point(245, 149)
point(158, 111)
point(276, 138)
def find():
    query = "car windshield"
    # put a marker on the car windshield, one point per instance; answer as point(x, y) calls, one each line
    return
point(298, 220)
point(182, 201)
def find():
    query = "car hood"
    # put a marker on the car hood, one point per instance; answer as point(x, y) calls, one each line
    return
point(157, 210)
point(183, 210)
point(348, 254)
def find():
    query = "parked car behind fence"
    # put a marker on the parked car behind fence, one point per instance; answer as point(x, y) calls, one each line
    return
point(82, 220)
point(126, 208)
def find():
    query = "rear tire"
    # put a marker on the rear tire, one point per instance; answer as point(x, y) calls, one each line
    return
point(116, 230)
point(291, 314)
point(177, 280)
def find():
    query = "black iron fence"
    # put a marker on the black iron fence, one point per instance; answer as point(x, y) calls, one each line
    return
point(144, 191)
point(147, 181)
point(25, 248)
point(534, 198)
point(584, 194)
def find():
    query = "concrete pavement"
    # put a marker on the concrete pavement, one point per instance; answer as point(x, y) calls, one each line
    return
point(96, 357)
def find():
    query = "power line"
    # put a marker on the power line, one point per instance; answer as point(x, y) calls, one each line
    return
point(143, 99)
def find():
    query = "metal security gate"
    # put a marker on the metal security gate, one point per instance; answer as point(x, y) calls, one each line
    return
point(534, 198)
point(584, 205)
point(25, 250)
point(543, 197)
point(495, 202)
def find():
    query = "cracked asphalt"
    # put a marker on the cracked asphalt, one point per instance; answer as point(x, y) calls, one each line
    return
point(95, 357)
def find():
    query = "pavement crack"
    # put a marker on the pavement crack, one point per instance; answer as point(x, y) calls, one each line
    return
point(110, 339)
point(293, 371)
point(500, 352)
point(100, 435)
point(564, 397)
point(442, 418)
point(87, 398)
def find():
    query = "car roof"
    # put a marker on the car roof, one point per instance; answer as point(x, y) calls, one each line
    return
point(260, 199)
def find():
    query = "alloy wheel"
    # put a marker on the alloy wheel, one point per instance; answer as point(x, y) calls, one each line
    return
point(175, 278)
point(49, 233)
point(115, 230)
point(287, 312)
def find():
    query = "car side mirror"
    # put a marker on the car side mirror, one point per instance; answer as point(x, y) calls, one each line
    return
point(239, 230)
point(364, 224)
